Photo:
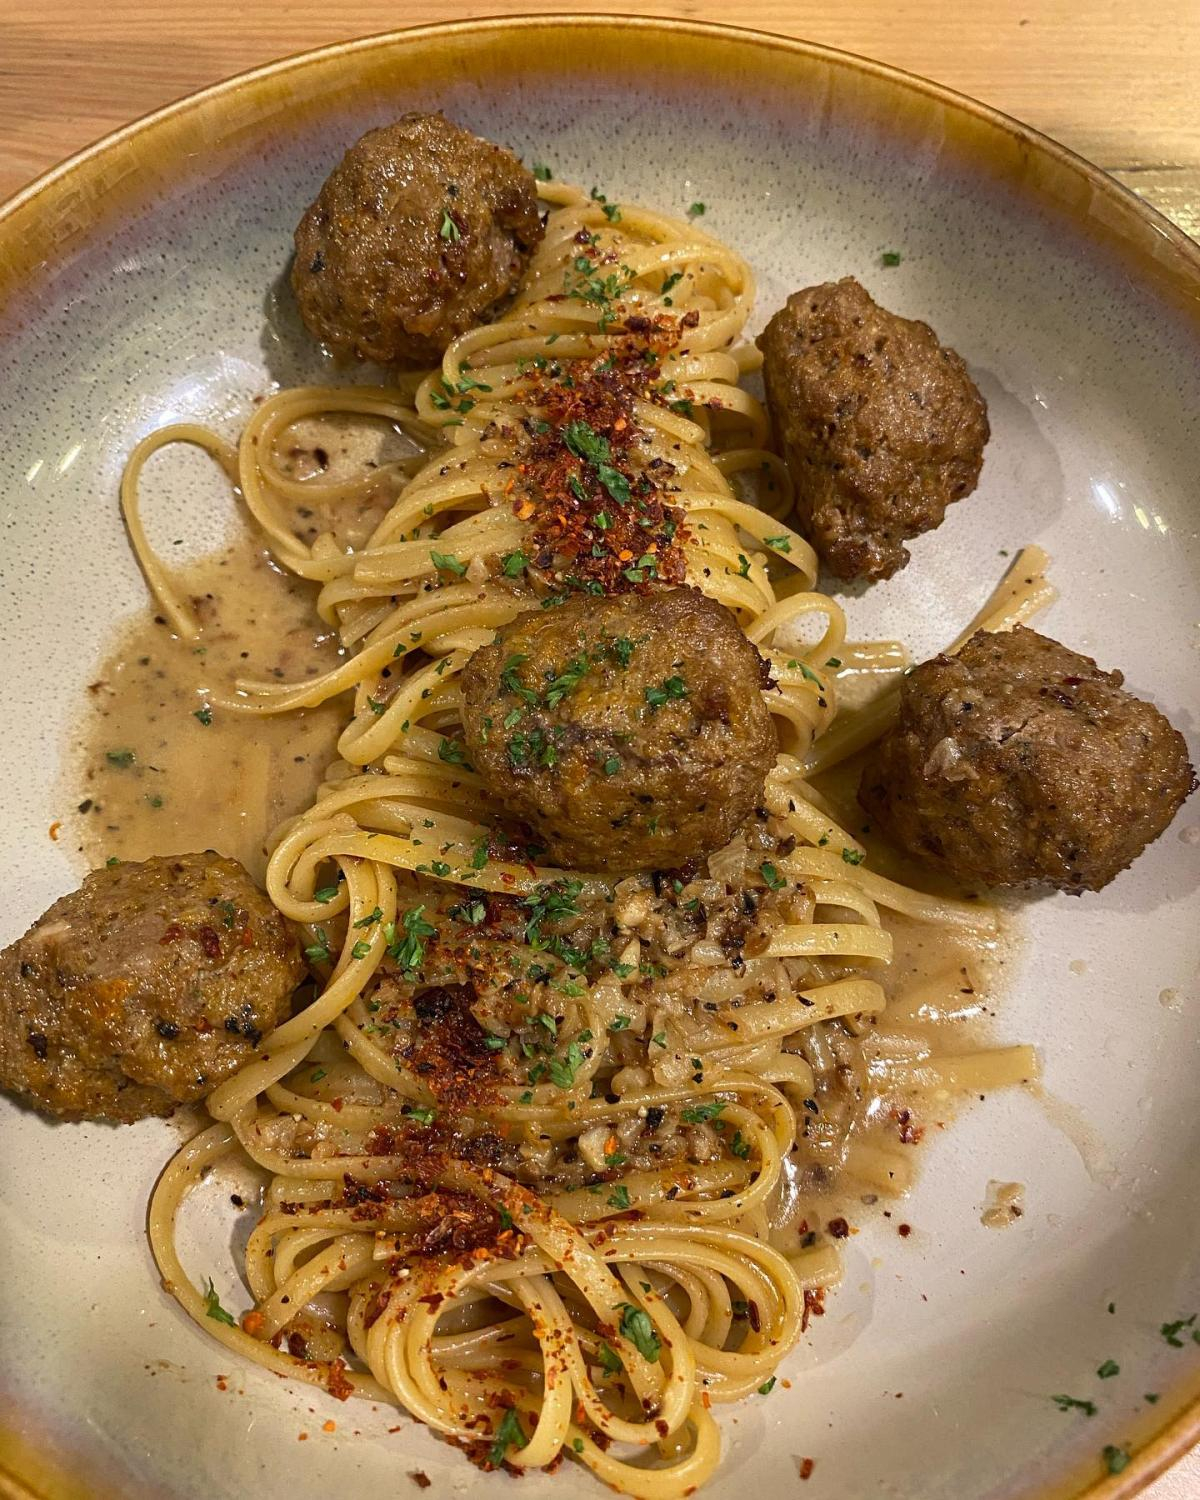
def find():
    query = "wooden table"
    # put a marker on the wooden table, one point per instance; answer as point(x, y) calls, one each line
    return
point(1115, 81)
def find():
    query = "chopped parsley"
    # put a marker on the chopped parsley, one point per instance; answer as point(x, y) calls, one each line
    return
point(611, 766)
point(1108, 1369)
point(453, 753)
point(360, 949)
point(618, 1023)
point(669, 690)
point(743, 566)
point(370, 919)
point(563, 1069)
point(204, 715)
point(325, 894)
point(541, 171)
point(120, 757)
point(853, 856)
point(890, 258)
point(449, 230)
point(639, 1330)
point(695, 210)
point(771, 875)
point(1073, 1403)
point(421, 1113)
point(672, 280)
point(1171, 1331)
point(319, 951)
point(513, 564)
point(593, 449)
point(508, 1435)
point(447, 562)
point(409, 951)
point(767, 1387)
point(619, 1197)
point(697, 1114)
point(739, 1147)
point(779, 543)
point(212, 1306)
point(1115, 1459)
point(609, 1359)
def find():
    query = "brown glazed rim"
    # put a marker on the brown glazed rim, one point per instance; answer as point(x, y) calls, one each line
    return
point(57, 212)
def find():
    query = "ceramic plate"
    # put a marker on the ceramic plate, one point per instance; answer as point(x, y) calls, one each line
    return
point(138, 286)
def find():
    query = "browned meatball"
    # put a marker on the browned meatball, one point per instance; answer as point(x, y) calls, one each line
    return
point(416, 236)
point(1019, 762)
point(630, 732)
point(880, 424)
point(143, 989)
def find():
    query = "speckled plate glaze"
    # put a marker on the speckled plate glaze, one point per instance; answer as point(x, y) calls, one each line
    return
point(139, 284)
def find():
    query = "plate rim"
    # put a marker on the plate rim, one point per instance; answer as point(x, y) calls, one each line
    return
point(1170, 264)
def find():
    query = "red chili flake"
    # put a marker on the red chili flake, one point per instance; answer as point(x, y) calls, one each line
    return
point(904, 1230)
point(838, 1228)
point(814, 1306)
point(807, 1465)
point(418, 1476)
point(597, 503)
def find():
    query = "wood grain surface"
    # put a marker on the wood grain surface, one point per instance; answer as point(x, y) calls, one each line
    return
point(1116, 81)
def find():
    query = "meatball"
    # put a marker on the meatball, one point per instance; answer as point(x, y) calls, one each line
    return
point(143, 989)
point(629, 732)
point(415, 237)
point(880, 424)
point(1019, 762)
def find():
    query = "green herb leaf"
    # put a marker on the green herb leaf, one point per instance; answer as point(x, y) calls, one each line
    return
point(609, 1359)
point(695, 210)
point(212, 1306)
point(204, 715)
point(370, 919)
point(1073, 1403)
point(120, 757)
point(508, 1435)
point(319, 951)
point(779, 543)
point(446, 562)
point(360, 949)
point(618, 1023)
point(420, 1113)
point(541, 171)
point(1115, 1459)
point(325, 894)
point(697, 1114)
point(453, 753)
point(619, 1197)
point(449, 230)
point(890, 257)
point(853, 856)
point(513, 564)
point(639, 1330)
point(1108, 1369)
point(767, 1387)
point(771, 875)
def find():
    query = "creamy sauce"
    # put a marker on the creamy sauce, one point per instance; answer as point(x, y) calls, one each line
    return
point(147, 776)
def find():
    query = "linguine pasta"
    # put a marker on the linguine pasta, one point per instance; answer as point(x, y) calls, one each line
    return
point(557, 1242)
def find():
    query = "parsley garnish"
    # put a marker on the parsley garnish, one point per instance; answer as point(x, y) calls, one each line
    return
point(779, 543)
point(563, 1069)
point(212, 1306)
point(325, 894)
point(743, 566)
point(767, 1387)
point(360, 949)
point(319, 951)
point(593, 448)
point(1108, 1369)
point(611, 766)
point(1073, 1403)
point(370, 919)
point(771, 875)
point(618, 1023)
point(890, 257)
point(447, 562)
point(452, 752)
point(619, 1197)
point(609, 1359)
point(420, 1113)
point(697, 1114)
point(449, 230)
point(409, 950)
point(1115, 1458)
point(508, 1435)
point(541, 171)
point(1171, 1331)
point(853, 856)
point(513, 564)
point(672, 280)
point(639, 1330)
point(695, 210)
point(738, 1146)
point(120, 757)
point(204, 715)
point(671, 689)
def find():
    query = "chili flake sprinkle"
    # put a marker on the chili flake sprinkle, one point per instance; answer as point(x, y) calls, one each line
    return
point(597, 501)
